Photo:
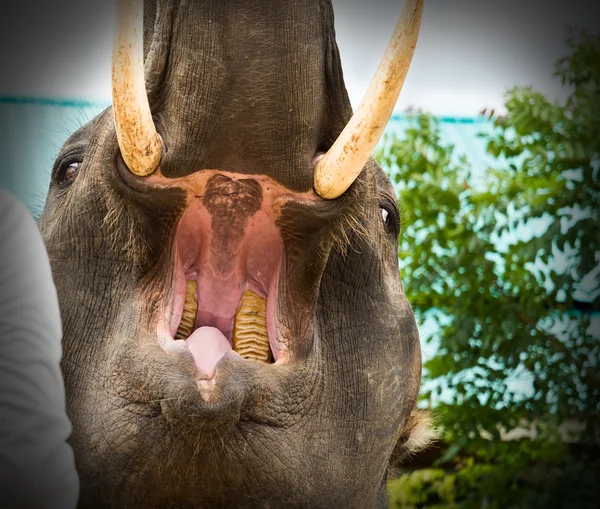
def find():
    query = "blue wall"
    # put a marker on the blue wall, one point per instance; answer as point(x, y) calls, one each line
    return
point(31, 134)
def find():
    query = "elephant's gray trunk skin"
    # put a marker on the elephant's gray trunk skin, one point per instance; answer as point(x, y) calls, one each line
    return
point(255, 84)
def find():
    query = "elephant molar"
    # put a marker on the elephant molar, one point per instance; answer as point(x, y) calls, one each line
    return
point(250, 336)
point(190, 311)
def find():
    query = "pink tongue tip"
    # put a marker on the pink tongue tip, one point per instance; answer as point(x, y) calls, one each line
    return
point(208, 346)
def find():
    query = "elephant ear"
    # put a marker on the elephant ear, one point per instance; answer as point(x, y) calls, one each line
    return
point(418, 434)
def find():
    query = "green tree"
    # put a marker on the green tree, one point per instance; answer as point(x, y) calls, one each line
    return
point(501, 259)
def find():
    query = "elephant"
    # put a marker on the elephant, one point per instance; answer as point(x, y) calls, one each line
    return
point(225, 252)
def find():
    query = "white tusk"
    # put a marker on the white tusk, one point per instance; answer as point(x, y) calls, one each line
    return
point(340, 166)
point(141, 146)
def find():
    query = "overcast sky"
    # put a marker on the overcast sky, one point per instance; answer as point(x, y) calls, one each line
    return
point(468, 53)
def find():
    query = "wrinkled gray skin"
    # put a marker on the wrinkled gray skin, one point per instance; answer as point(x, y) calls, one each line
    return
point(256, 87)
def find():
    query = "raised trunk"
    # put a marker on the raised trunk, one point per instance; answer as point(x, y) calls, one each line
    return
point(245, 86)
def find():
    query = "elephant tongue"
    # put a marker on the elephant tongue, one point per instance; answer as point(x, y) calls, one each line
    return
point(207, 345)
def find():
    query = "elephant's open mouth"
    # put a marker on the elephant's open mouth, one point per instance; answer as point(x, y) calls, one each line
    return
point(227, 255)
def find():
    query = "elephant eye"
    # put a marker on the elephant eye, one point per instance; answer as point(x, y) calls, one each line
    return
point(69, 174)
point(67, 165)
point(390, 217)
point(66, 170)
point(385, 215)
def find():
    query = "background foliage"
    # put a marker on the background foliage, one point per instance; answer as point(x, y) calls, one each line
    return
point(505, 261)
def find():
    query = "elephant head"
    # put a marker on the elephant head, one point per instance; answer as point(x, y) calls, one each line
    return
point(225, 253)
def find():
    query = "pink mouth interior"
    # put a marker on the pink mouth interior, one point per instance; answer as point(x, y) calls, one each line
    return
point(226, 256)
